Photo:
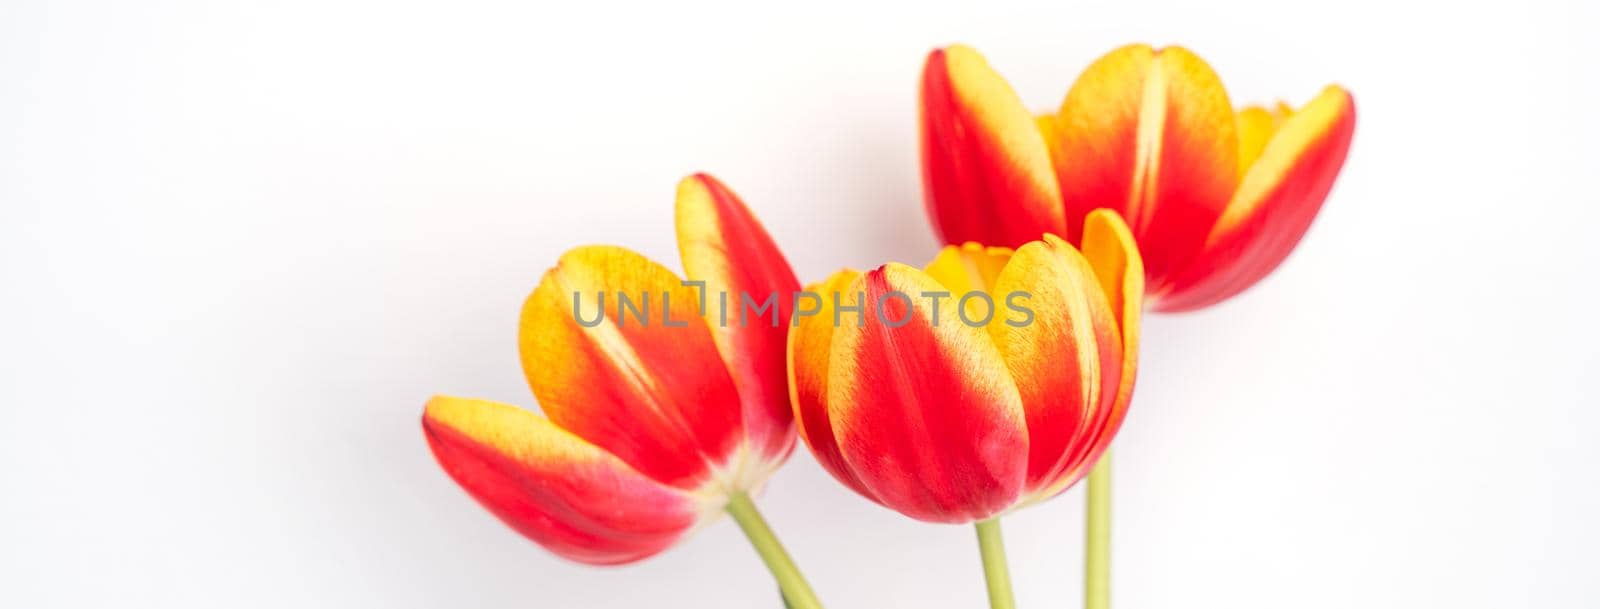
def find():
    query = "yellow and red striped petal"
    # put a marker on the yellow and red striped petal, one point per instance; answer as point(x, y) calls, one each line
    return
point(1064, 359)
point(722, 244)
point(1110, 250)
point(925, 414)
point(566, 494)
point(1150, 134)
point(809, 345)
point(985, 167)
point(650, 389)
point(1275, 204)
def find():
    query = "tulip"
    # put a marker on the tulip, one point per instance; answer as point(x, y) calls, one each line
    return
point(1215, 198)
point(655, 419)
point(920, 397)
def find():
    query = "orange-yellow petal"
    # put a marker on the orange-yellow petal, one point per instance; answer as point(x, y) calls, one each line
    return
point(644, 382)
point(924, 411)
point(1064, 356)
point(1275, 204)
point(809, 345)
point(1112, 251)
point(969, 268)
point(1256, 125)
point(723, 245)
point(1152, 135)
point(985, 167)
point(564, 493)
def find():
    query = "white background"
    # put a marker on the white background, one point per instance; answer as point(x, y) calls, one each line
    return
point(241, 244)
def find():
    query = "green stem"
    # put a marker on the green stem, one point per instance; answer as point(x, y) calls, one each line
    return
point(1097, 537)
point(796, 592)
point(995, 571)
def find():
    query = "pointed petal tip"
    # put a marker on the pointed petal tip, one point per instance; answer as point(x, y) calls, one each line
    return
point(698, 181)
point(956, 51)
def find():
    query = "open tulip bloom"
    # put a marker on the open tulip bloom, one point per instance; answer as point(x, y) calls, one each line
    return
point(1215, 198)
point(656, 419)
point(990, 380)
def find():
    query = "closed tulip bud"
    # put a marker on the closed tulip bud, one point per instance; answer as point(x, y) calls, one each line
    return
point(951, 408)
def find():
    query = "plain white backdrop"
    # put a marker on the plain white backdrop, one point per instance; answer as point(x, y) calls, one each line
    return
point(241, 243)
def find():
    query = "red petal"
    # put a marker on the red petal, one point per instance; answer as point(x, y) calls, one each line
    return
point(1279, 197)
point(925, 413)
point(723, 244)
point(985, 168)
point(566, 494)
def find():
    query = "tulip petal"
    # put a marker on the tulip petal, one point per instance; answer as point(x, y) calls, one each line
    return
point(966, 268)
point(566, 494)
point(651, 391)
point(723, 245)
point(924, 411)
point(969, 266)
point(809, 346)
point(1064, 358)
point(1256, 125)
point(985, 167)
point(1276, 202)
point(1111, 251)
point(1150, 134)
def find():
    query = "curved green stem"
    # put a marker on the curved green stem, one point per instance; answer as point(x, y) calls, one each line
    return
point(995, 571)
point(1097, 537)
point(796, 592)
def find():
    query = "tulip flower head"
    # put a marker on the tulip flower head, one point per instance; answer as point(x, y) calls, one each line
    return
point(654, 409)
point(1215, 198)
point(950, 407)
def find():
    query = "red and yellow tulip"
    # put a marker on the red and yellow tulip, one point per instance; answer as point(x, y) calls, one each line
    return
point(1216, 198)
point(650, 422)
point(924, 404)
